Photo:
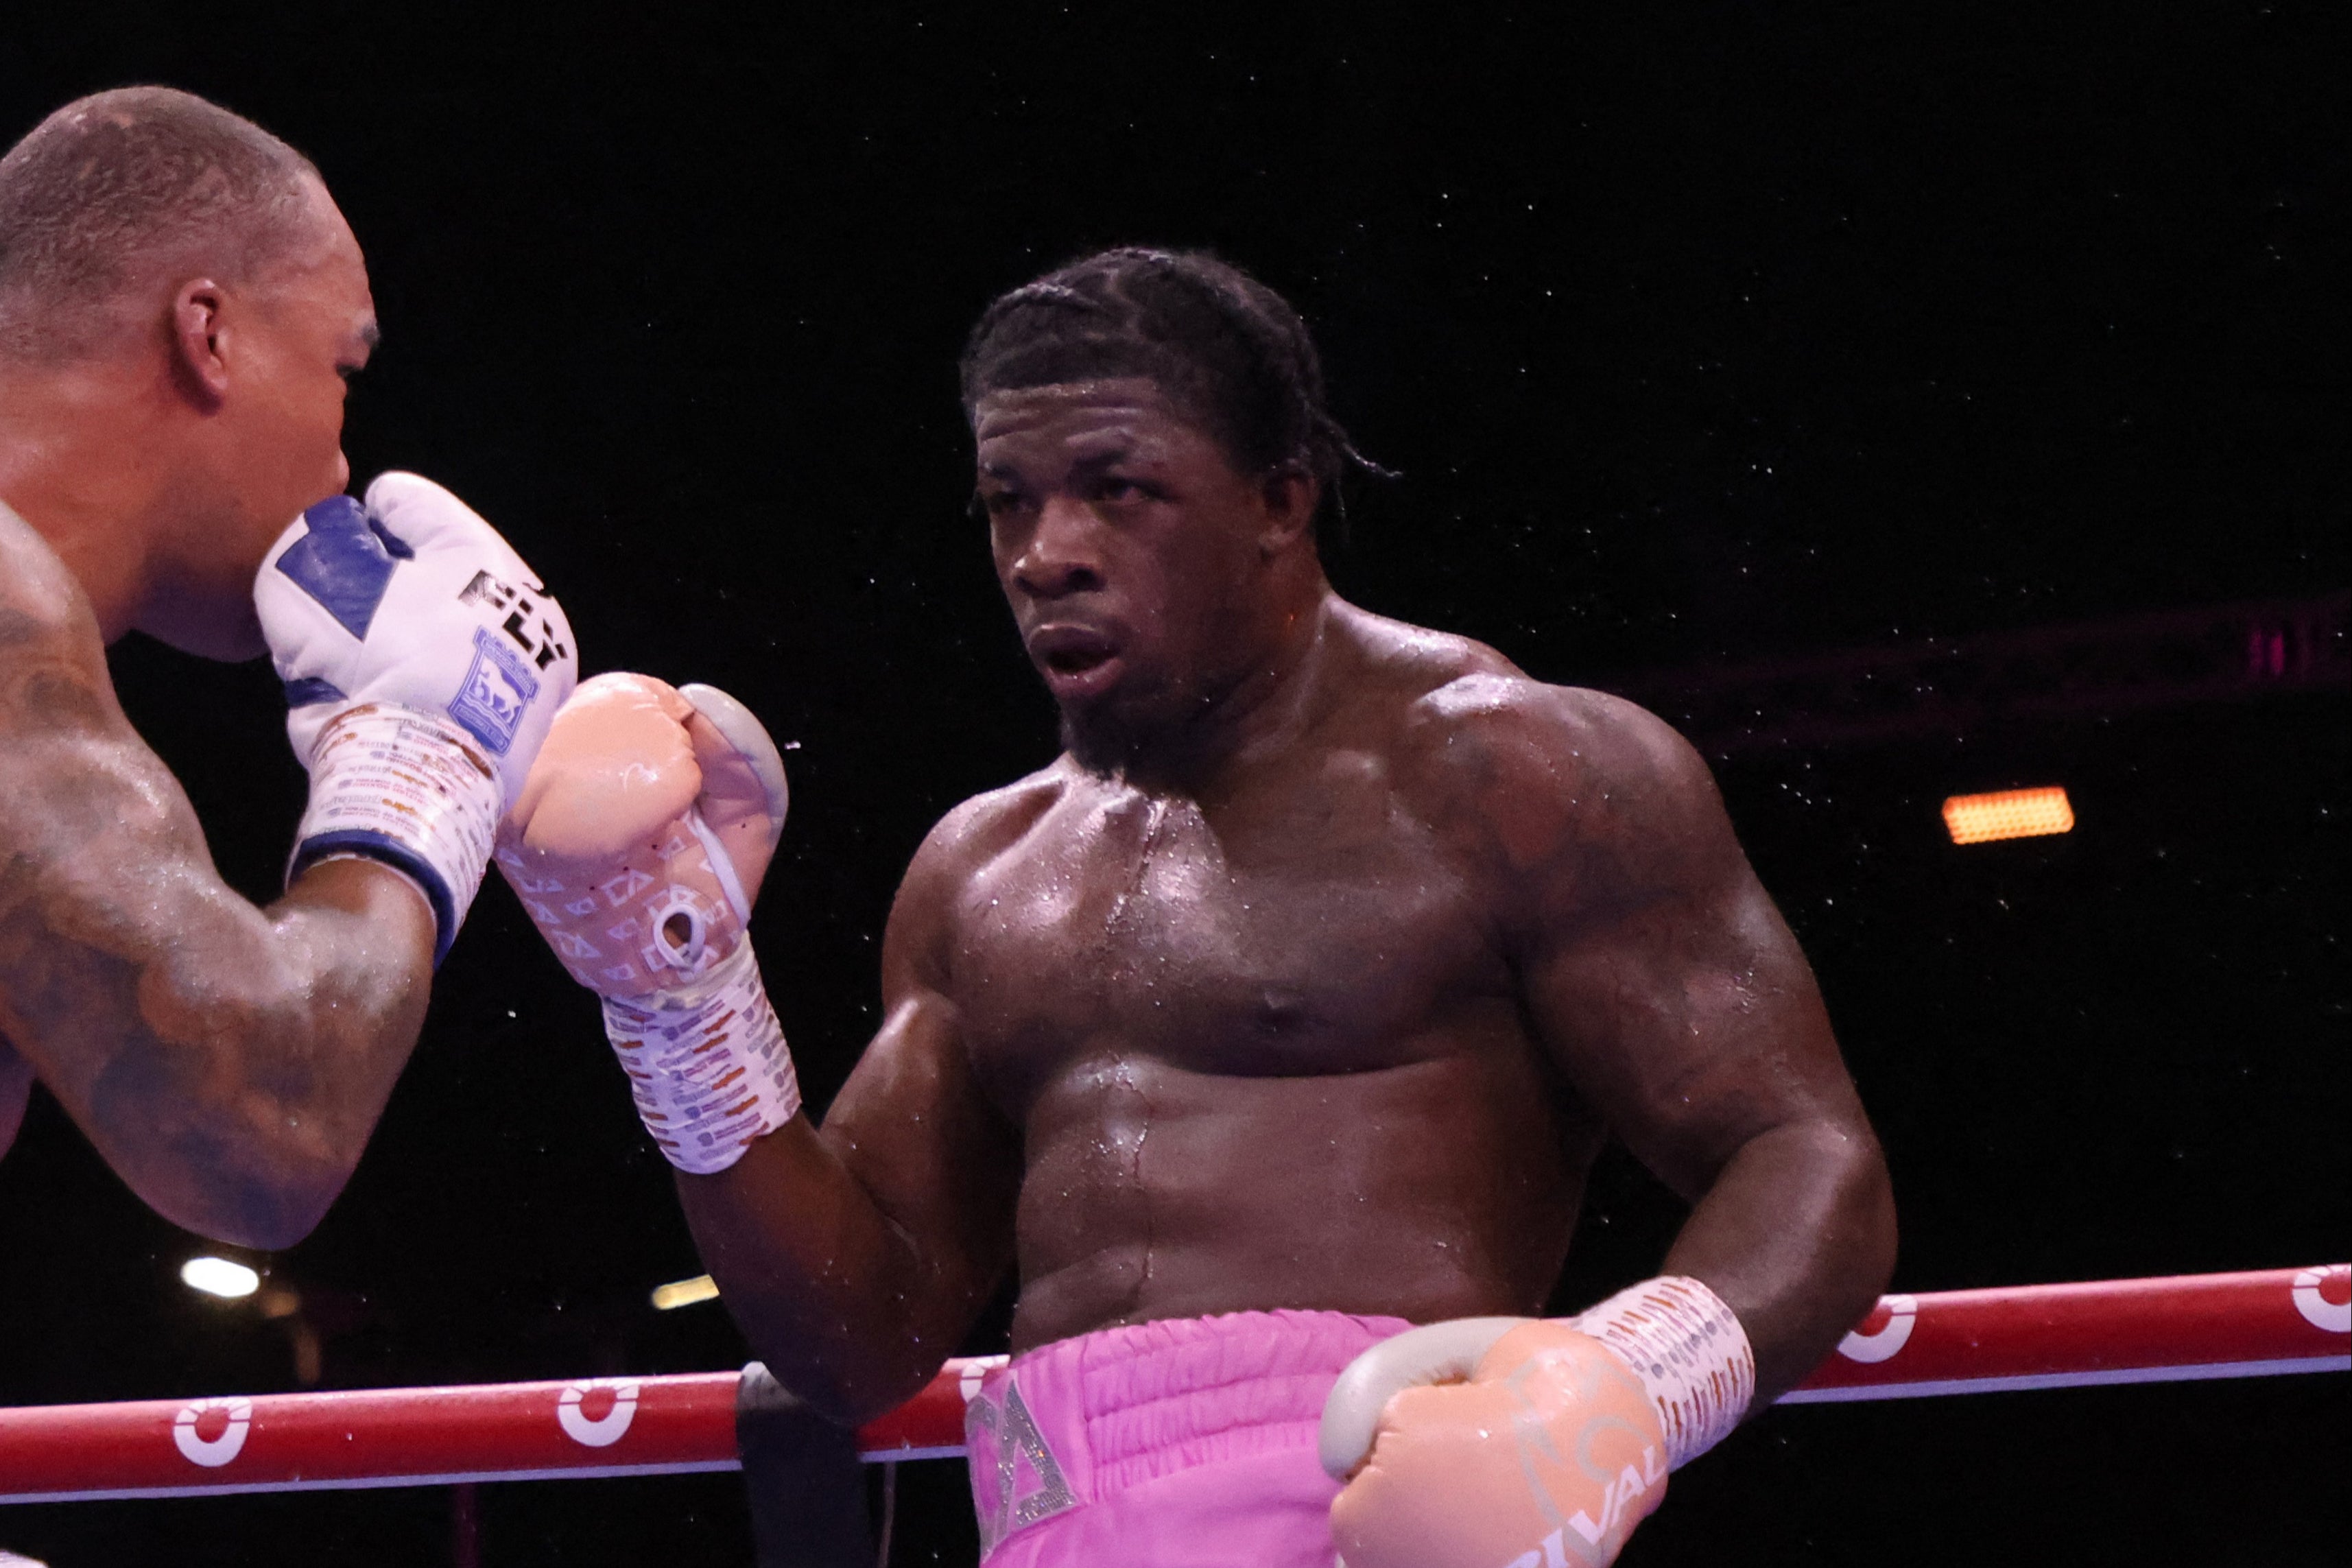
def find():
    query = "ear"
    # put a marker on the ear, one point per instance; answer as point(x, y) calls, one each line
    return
point(199, 345)
point(1291, 496)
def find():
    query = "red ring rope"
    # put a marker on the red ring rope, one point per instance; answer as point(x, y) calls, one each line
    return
point(1958, 1342)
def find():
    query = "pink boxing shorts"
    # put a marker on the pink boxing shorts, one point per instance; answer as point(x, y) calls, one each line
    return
point(1182, 1444)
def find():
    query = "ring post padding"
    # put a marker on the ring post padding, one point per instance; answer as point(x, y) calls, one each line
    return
point(1958, 1342)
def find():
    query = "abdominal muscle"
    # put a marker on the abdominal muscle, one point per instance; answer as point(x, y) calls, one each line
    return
point(1444, 1187)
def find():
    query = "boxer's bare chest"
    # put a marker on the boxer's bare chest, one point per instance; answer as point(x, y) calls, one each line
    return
point(1312, 921)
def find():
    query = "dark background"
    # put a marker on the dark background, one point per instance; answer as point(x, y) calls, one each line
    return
point(1697, 334)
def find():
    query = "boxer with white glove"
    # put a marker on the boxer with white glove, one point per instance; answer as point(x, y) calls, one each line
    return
point(423, 664)
point(637, 846)
point(227, 1061)
point(1528, 1443)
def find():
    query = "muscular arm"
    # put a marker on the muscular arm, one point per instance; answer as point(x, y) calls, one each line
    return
point(227, 1062)
point(1656, 970)
point(856, 1256)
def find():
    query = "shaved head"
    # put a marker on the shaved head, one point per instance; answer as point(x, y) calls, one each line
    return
point(116, 198)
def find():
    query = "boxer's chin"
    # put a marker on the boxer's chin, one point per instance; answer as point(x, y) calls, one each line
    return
point(230, 632)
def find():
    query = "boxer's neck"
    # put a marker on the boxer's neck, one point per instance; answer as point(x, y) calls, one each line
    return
point(1260, 706)
point(88, 459)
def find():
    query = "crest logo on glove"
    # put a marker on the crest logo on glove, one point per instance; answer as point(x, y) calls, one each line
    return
point(498, 686)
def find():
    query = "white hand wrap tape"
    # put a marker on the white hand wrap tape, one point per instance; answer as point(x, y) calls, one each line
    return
point(707, 1063)
point(407, 788)
point(1689, 1352)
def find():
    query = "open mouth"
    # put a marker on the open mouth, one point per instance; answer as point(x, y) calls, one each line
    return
point(1072, 660)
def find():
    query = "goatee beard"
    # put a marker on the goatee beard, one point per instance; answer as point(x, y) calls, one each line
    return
point(1113, 739)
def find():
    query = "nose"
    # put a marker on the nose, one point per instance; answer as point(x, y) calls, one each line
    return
point(1059, 557)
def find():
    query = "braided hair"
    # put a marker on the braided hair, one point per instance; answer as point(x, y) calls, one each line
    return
point(1225, 349)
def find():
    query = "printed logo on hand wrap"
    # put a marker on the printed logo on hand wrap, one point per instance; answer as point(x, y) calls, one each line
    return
point(230, 1421)
point(1015, 1480)
point(611, 1424)
point(498, 686)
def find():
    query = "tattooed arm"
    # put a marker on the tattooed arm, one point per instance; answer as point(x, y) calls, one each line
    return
point(227, 1062)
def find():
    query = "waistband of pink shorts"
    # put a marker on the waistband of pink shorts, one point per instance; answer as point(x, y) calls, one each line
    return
point(1121, 1406)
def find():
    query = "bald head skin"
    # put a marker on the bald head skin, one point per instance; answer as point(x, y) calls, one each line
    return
point(181, 304)
point(117, 192)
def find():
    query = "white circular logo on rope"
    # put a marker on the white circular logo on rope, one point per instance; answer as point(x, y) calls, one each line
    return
point(2329, 1317)
point(977, 1369)
point(212, 1451)
point(596, 1431)
point(1882, 1343)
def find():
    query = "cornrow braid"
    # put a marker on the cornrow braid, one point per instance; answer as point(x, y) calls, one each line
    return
point(1224, 348)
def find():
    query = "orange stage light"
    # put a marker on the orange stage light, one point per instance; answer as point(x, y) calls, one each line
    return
point(2008, 813)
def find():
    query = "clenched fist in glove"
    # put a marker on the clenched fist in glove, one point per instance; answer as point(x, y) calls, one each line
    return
point(423, 664)
point(1525, 1443)
point(636, 847)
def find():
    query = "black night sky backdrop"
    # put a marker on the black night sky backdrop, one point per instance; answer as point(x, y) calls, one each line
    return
point(1698, 334)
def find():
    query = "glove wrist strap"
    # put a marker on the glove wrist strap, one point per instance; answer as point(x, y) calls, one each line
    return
point(707, 1063)
point(407, 788)
point(1690, 1353)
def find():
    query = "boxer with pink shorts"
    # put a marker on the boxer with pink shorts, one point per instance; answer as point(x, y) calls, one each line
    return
point(1188, 1443)
point(1313, 974)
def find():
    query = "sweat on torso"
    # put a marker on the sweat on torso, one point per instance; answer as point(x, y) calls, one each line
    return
point(1264, 1051)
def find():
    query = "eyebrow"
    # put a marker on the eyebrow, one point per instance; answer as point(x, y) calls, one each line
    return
point(1083, 463)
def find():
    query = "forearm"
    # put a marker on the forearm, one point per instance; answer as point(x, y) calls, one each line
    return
point(836, 1297)
point(1796, 1234)
point(232, 1074)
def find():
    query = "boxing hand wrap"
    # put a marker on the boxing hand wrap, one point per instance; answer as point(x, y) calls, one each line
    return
point(423, 664)
point(1521, 1442)
point(398, 786)
point(707, 1064)
point(636, 847)
point(1690, 1353)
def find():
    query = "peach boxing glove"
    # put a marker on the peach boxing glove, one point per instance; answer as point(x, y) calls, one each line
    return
point(1528, 1443)
point(636, 845)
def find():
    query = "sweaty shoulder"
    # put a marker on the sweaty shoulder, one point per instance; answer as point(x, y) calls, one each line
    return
point(957, 847)
point(53, 673)
point(1535, 773)
point(39, 600)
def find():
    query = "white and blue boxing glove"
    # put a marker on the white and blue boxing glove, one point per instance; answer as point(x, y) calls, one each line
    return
point(423, 662)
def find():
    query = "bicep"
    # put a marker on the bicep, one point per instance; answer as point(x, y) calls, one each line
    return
point(110, 890)
point(912, 1126)
point(1663, 983)
point(1692, 1026)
